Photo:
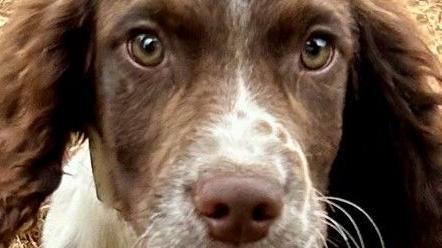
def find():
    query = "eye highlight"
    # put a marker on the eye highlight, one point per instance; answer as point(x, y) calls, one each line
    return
point(316, 53)
point(146, 49)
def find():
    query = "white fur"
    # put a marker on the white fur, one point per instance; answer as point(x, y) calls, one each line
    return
point(237, 137)
point(77, 218)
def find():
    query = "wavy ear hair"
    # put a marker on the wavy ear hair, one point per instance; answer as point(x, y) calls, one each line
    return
point(43, 81)
point(390, 162)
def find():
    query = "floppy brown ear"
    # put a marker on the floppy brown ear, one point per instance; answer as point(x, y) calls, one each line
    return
point(390, 162)
point(43, 75)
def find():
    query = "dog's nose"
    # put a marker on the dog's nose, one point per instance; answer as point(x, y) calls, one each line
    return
point(238, 209)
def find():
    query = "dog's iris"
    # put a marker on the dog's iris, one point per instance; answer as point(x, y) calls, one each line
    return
point(317, 53)
point(147, 49)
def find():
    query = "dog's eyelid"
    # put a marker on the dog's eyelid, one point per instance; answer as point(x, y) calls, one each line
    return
point(142, 30)
point(337, 37)
point(322, 31)
point(126, 31)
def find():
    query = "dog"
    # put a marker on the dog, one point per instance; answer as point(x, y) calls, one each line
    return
point(232, 123)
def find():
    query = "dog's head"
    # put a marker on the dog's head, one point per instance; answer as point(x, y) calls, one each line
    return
point(218, 122)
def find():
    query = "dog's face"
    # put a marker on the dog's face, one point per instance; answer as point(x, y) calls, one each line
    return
point(216, 122)
point(189, 91)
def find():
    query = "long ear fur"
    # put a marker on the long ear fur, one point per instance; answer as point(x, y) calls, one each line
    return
point(43, 54)
point(390, 161)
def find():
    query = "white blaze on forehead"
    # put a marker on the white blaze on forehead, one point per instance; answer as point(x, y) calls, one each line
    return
point(235, 132)
point(243, 130)
point(240, 15)
point(241, 142)
point(240, 11)
point(237, 137)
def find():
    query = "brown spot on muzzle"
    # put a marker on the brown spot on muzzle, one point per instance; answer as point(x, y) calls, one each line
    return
point(263, 127)
point(282, 135)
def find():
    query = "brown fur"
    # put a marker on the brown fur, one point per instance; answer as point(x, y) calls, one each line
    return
point(394, 104)
point(37, 113)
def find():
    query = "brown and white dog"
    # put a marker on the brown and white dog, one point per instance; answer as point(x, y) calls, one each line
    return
point(220, 123)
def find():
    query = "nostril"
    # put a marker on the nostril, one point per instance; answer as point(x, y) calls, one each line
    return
point(265, 212)
point(219, 211)
point(259, 213)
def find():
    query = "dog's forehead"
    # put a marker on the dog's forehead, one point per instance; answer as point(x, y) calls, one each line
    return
point(231, 11)
point(233, 4)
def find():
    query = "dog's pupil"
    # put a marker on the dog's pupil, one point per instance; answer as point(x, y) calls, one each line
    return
point(314, 46)
point(149, 44)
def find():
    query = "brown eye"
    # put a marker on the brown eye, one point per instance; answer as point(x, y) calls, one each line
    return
point(317, 53)
point(147, 49)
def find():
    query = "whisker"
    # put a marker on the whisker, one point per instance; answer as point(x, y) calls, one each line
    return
point(340, 232)
point(329, 240)
point(335, 226)
point(353, 222)
point(140, 240)
point(321, 197)
point(145, 234)
point(378, 232)
point(322, 238)
point(346, 233)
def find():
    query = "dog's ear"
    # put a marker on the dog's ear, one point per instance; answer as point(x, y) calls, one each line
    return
point(390, 161)
point(43, 80)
